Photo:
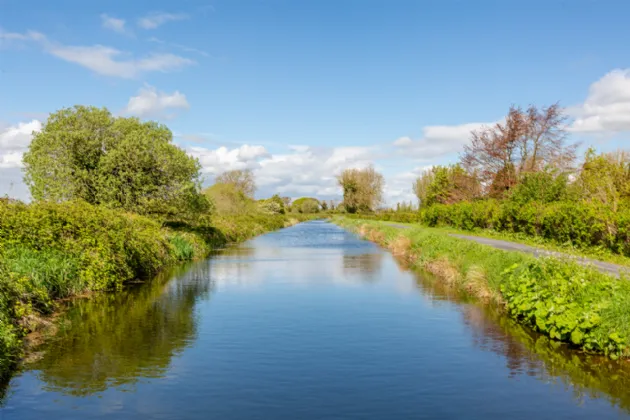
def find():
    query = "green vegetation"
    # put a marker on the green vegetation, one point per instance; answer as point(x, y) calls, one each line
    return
point(560, 299)
point(56, 250)
point(362, 189)
point(114, 201)
point(521, 178)
point(121, 163)
point(306, 205)
point(120, 338)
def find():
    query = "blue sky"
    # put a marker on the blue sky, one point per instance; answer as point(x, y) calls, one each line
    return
point(298, 90)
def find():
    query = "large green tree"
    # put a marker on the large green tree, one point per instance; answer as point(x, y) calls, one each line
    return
point(87, 153)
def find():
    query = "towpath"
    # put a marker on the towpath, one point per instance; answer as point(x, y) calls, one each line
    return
point(604, 267)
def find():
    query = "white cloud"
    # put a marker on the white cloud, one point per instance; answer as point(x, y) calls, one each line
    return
point(438, 140)
point(216, 161)
point(154, 20)
point(303, 171)
point(153, 103)
point(399, 186)
point(9, 38)
point(14, 141)
point(113, 24)
point(107, 61)
point(607, 107)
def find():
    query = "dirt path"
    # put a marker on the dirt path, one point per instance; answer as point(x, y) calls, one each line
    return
point(604, 267)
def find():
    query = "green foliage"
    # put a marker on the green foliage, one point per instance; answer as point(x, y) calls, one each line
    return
point(605, 179)
point(306, 205)
point(580, 225)
point(561, 299)
point(543, 187)
point(445, 184)
point(568, 303)
point(362, 189)
point(273, 205)
point(86, 153)
point(227, 199)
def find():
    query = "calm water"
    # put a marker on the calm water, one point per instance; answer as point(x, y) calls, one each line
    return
point(306, 323)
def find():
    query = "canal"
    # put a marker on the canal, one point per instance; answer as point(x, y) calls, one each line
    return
point(309, 322)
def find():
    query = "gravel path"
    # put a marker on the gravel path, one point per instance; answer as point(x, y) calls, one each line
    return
point(604, 267)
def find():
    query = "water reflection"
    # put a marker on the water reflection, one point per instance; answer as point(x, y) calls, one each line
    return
point(534, 355)
point(290, 319)
point(116, 339)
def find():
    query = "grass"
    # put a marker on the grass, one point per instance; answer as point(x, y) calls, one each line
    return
point(596, 253)
point(560, 299)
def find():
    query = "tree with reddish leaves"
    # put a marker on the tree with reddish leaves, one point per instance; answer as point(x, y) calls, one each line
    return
point(528, 141)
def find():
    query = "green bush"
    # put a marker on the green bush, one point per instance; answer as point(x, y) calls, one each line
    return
point(306, 205)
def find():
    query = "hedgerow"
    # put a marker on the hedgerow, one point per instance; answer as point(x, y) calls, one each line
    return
point(578, 224)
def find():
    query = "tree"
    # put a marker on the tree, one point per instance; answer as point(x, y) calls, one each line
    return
point(306, 205)
point(86, 153)
point(242, 179)
point(228, 199)
point(528, 141)
point(446, 185)
point(362, 189)
point(272, 205)
point(324, 205)
point(421, 185)
point(605, 178)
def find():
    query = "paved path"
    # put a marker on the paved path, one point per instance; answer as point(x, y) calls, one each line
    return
point(604, 267)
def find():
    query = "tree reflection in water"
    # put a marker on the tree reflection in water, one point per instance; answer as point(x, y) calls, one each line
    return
point(532, 354)
point(115, 339)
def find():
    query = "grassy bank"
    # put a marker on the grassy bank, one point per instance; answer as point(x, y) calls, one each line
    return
point(560, 299)
point(52, 251)
point(597, 252)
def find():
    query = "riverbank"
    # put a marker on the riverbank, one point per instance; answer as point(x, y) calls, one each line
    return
point(560, 299)
point(51, 251)
point(578, 229)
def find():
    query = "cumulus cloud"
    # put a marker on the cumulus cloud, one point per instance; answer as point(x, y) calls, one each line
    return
point(14, 141)
point(154, 20)
point(438, 140)
point(606, 109)
point(304, 170)
point(153, 103)
point(216, 161)
point(113, 24)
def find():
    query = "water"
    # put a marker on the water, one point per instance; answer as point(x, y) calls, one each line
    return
point(306, 323)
